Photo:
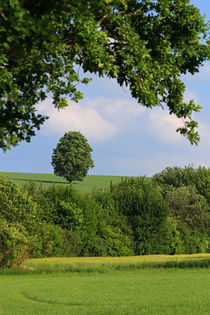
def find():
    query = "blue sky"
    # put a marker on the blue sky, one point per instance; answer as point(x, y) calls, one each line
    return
point(127, 139)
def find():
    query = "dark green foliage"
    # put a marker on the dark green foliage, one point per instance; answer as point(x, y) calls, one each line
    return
point(115, 233)
point(187, 192)
point(168, 240)
point(47, 241)
point(145, 45)
point(113, 242)
point(140, 200)
point(17, 223)
point(71, 158)
point(16, 206)
point(88, 229)
point(177, 176)
point(193, 241)
point(71, 243)
point(59, 205)
point(188, 207)
point(13, 244)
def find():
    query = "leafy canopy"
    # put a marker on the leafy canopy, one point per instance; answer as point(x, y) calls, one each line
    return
point(145, 44)
point(177, 177)
point(71, 158)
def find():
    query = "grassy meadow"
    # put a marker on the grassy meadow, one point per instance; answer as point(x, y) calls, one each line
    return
point(89, 183)
point(105, 289)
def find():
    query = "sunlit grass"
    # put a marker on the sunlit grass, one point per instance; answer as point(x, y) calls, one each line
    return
point(105, 264)
point(156, 291)
point(89, 183)
point(124, 259)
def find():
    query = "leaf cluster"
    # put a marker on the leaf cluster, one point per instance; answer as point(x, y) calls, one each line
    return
point(145, 45)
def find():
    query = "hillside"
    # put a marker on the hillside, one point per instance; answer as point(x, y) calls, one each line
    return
point(89, 183)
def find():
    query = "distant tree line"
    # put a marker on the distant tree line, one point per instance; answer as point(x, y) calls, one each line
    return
point(166, 214)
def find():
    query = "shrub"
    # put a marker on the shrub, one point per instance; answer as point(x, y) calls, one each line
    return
point(17, 223)
point(47, 241)
point(140, 200)
point(168, 240)
point(13, 244)
point(115, 243)
point(16, 206)
point(71, 243)
point(176, 177)
point(187, 191)
point(188, 207)
point(192, 240)
point(58, 205)
point(105, 231)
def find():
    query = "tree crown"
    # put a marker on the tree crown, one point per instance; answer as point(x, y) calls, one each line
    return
point(71, 158)
point(146, 45)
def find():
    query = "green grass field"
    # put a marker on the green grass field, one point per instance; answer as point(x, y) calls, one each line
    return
point(89, 183)
point(114, 291)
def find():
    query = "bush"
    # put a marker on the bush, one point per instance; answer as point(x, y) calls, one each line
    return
point(140, 200)
point(113, 242)
point(71, 243)
point(16, 206)
point(192, 241)
point(18, 223)
point(188, 207)
point(65, 207)
point(13, 244)
point(90, 227)
point(176, 177)
point(105, 231)
point(58, 205)
point(168, 240)
point(187, 191)
point(47, 242)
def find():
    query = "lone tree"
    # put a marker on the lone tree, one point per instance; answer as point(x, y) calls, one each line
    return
point(145, 44)
point(71, 158)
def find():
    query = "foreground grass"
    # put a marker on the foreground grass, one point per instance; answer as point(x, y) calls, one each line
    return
point(89, 183)
point(155, 291)
point(107, 285)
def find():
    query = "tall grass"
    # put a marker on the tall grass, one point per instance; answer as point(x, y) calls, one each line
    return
point(109, 264)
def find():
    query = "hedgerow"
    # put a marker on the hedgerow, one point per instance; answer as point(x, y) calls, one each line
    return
point(168, 214)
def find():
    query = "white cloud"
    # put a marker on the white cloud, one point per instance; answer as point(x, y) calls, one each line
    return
point(163, 125)
point(78, 118)
point(123, 109)
point(99, 119)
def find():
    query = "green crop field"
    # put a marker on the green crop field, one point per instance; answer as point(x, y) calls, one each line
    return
point(89, 183)
point(106, 289)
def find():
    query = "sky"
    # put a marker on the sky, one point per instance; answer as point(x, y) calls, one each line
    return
point(127, 138)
